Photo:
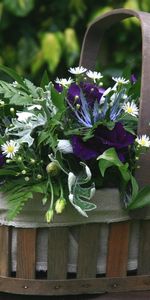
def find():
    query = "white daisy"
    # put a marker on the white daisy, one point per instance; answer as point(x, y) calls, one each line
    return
point(24, 116)
point(77, 70)
point(131, 108)
point(63, 81)
point(64, 146)
point(94, 75)
point(143, 141)
point(10, 148)
point(120, 80)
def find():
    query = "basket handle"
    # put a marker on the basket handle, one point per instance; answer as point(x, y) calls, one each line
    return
point(89, 53)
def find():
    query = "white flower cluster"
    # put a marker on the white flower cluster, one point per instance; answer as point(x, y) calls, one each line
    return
point(78, 71)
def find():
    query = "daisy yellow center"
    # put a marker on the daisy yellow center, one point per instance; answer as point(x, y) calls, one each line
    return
point(10, 149)
point(143, 142)
point(130, 110)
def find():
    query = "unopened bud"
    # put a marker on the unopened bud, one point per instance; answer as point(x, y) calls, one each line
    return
point(49, 215)
point(19, 159)
point(2, 103)
point(27, 178)
point(53, 168)
point(60, 205)
point(76, 97)
point(39, 176)
point(8, 161)
point(44, 200)
point(12, 110)
point(23, 172)
point(32, 161)
point(78, 106)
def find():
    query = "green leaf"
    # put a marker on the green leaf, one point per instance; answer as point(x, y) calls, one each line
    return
point(39, 188)
point(79, 193)
point(23, 131)
point(57, 99)
point(20, 100)
point(17, 202)
point(13, 74)
point(141, 199)
point(19, 8)
point(31, 87)
point(71, 45)
point(7, 172)
point(110, 158)
point(15, 95)
point(135, 187)
point(45, 80)
point(51, 49)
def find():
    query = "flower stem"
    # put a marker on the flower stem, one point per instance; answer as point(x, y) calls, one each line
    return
point(61, 189)
point(52, 192)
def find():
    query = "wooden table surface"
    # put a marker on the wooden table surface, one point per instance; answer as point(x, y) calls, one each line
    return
point(112, 296)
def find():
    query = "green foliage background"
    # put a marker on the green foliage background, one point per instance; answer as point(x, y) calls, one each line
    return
point(37, 35)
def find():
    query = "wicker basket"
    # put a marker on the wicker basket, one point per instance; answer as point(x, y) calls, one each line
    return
point(85, 280)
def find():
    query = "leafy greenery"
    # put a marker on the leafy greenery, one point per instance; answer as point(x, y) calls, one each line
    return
point(110, 158)
point(38, 35)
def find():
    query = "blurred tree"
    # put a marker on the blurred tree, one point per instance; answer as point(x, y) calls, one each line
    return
point(37, 35)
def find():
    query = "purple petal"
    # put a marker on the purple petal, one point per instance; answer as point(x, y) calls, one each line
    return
point(92, 92)
point(74, 93)
point(83, 150)
point(103, 139)
point(2, 160)
point(58, 87)
point(133, 79)
point(118, 137)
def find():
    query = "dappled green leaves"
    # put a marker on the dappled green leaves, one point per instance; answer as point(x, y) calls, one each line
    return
point(49, 35)
point(19, 8)
point(71, 45)
point(51, 50)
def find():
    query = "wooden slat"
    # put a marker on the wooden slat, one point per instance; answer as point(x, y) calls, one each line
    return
point(5, 235)
point(88, 250)
point(26, 253)
point(74, 286)
point(117, 256)
point(144, 248)
point(58, 243)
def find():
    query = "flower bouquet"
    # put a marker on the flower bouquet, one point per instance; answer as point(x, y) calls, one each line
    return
point(66, 139)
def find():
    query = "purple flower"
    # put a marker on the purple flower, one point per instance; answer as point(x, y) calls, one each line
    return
point(92, 92)
point(133, 79)
point(103, 139)
point(58, 87)
point(2, 160)
point(74, 94)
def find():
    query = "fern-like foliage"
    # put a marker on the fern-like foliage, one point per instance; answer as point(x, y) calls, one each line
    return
point(16, 197)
